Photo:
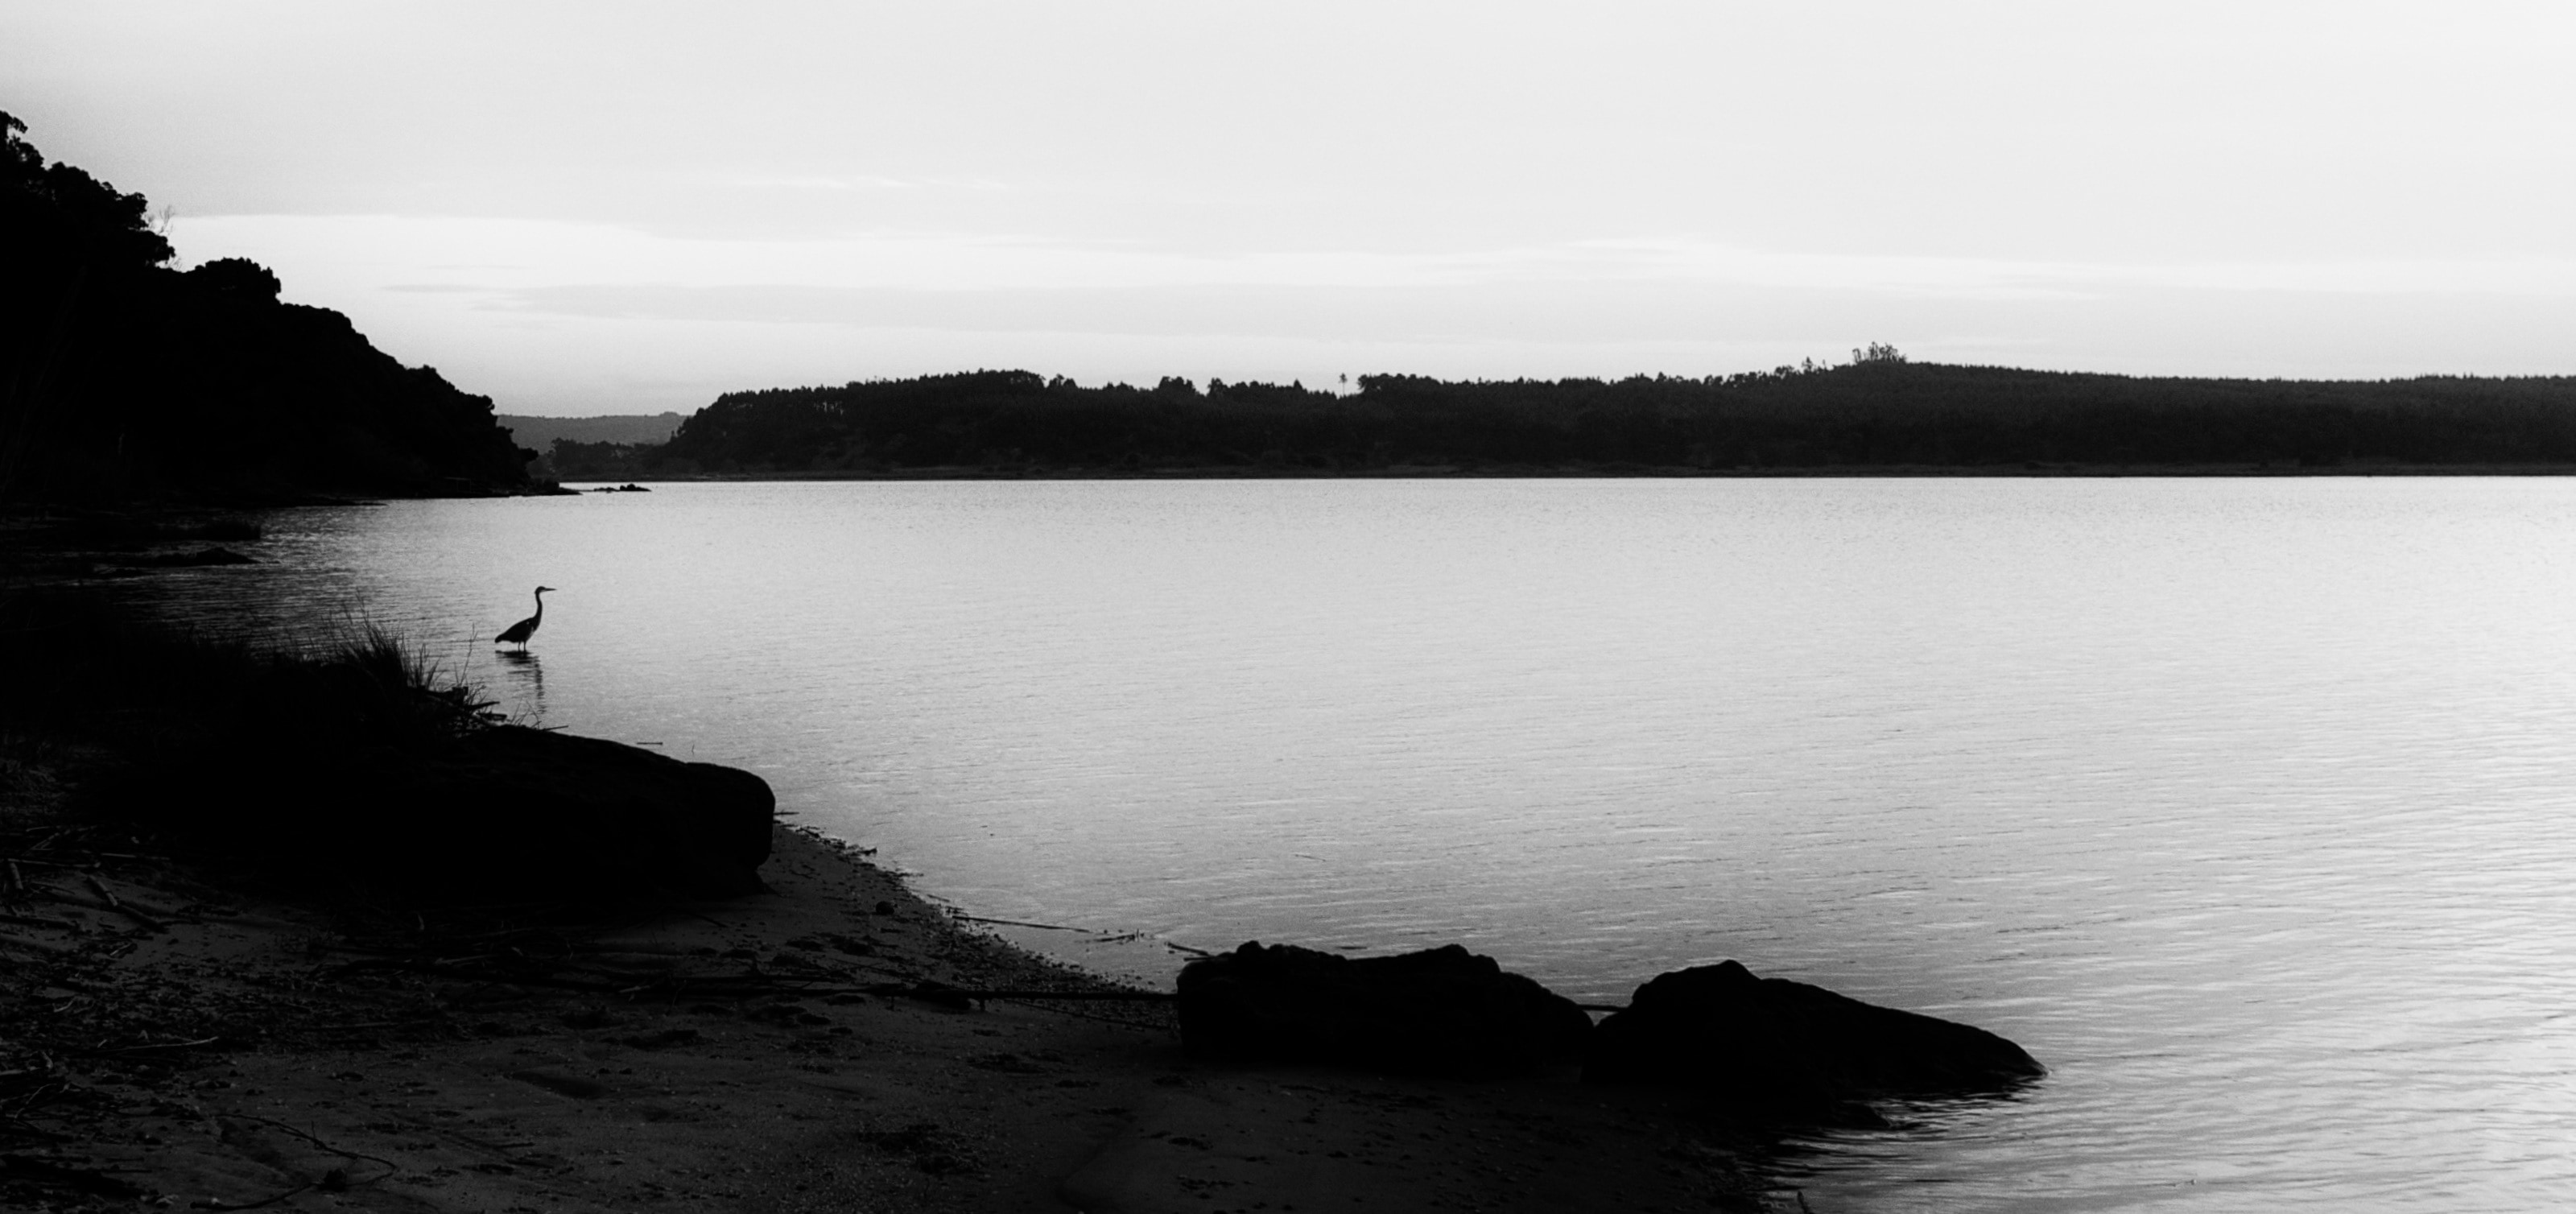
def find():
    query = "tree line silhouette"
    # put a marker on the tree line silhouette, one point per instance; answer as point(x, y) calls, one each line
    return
point(124, 379)
point(1878, 412)
point(121, 378)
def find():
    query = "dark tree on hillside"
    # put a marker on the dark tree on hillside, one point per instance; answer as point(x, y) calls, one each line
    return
point(123, 378)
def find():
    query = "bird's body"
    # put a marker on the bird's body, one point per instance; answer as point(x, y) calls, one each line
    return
point(518, 634)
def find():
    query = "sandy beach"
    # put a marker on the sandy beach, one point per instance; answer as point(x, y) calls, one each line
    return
point(177, 1040)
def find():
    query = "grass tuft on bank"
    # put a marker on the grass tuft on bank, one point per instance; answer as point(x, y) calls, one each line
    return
point(84, 667)
point(275, 761)
point(359, 765)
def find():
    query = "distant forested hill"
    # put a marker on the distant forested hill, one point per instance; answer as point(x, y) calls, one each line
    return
point(592, 448)
point(1878, 413)
point(540, 433)
point(122, 379)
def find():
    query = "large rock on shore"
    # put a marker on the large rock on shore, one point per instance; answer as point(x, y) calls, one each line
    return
point(1771, 1041)
point(495, 812)
point(533, 809)
point(1444, 1010)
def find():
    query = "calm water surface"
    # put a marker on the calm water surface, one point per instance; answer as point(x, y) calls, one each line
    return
point(2244, 805)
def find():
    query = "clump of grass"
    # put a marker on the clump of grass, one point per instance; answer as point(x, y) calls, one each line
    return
point(372, 688)
point(293, 762)
point(81, 665)
point(357, 767)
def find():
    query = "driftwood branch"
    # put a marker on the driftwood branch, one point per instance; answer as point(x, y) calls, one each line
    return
point(390, 1166)
point(39, 921)
point(332, 1181)
point(118, 905)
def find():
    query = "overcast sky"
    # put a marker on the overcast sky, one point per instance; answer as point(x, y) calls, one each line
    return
point(606, 208)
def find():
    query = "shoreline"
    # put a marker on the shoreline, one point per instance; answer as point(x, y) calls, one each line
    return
point(181, 1037)
point(970, 472)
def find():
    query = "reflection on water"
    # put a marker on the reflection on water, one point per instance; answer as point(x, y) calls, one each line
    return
point(2243, 804)
point(522, 685)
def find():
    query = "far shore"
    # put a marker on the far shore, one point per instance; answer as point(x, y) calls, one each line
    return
point(971, 472)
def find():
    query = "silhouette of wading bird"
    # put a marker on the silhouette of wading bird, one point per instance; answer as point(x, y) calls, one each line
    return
point(518, 634)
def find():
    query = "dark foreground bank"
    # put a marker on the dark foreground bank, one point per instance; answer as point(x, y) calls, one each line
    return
point(272, 942)
point(171, 1036)
point(179, 1034)
point(316, 931)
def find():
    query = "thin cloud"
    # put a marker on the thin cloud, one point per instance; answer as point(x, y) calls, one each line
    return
point(838, 185)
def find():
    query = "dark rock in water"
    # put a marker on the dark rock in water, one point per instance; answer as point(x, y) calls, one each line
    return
point(1443, 1010)
point(1770, 1041)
